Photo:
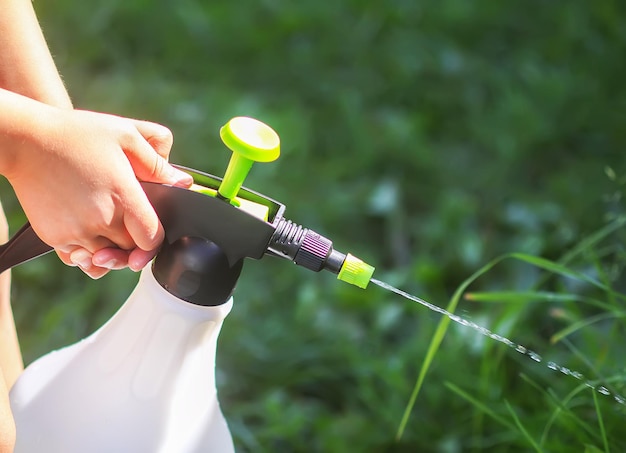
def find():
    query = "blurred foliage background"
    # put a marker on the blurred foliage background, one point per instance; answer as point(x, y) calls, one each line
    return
point(425, 137)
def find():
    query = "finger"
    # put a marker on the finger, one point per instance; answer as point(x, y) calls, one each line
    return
point(107, 256)
point(138, 259)
point(96, 272)
point(141, 221)
point(117, 237)
point(149, 166)
point(77, 258)
point(158, 136)
point(82, 258)
point(110, 258)
point(98, 242)
point(149, 163)
point(64, 255)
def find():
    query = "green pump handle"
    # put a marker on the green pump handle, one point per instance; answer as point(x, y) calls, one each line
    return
point(250, 141)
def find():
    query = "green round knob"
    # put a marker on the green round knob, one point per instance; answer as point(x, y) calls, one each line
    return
point(250, 141)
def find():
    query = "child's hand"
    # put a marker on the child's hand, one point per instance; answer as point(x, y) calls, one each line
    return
point(77, 181)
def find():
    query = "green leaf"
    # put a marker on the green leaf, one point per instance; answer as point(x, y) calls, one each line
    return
point(436, 340)
point(584, 323)
point(522, 429)
point(481, 406)
point(605, 440)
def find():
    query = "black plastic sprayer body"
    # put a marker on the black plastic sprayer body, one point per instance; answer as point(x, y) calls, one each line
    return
point(211, 227)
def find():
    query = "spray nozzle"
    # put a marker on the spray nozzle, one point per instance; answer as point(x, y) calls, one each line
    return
point(355, 271)
point(315, 252)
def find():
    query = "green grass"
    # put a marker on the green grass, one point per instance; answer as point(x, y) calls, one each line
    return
point(612, 313)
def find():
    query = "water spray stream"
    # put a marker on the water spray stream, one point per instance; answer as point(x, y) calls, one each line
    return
point(511, 344)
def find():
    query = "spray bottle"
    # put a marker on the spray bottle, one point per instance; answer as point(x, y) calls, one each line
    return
point(145, 381)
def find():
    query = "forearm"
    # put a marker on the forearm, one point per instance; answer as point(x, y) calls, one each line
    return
point(23, 125)
point(27, 75)
point(11, 361)
point(18, 121)
point(26, 66)
point(10, 354)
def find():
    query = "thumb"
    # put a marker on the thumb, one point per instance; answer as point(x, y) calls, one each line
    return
point(147, 153)
point(158, 136)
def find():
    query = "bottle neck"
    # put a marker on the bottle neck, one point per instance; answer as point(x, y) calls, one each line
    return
point(196, 270)
point(154, 331)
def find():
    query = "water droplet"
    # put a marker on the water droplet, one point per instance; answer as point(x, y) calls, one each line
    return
point(577, 375)
point(456, 318)
point(509, 343)
point(521, 349)
point(553, 366)
point(533, 355)
point(483, 331)
point(603, 390)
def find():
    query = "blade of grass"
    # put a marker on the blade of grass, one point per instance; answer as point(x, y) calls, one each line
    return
point(584, 323)
point(534, 296)
point(480, 406)
point(615, 327)
point(561, 409)
point(604, 277)
point(590, 241)
point(605, 441)
point(522, 429)
point(494, 358)
point(520, 296)
point(559, 269)
point(436, 340)
point(564, 407)
point(592, 365)
point(562, 270)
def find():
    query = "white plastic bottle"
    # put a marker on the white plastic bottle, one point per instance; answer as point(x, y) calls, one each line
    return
point(143, 383)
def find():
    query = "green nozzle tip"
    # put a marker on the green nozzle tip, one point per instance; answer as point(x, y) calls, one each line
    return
point(250, 141)
point(355, 271)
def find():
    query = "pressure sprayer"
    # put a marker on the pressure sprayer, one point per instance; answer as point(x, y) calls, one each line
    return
point(145, 381)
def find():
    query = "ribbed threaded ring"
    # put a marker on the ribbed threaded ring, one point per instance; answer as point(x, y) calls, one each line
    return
point(313, 252)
